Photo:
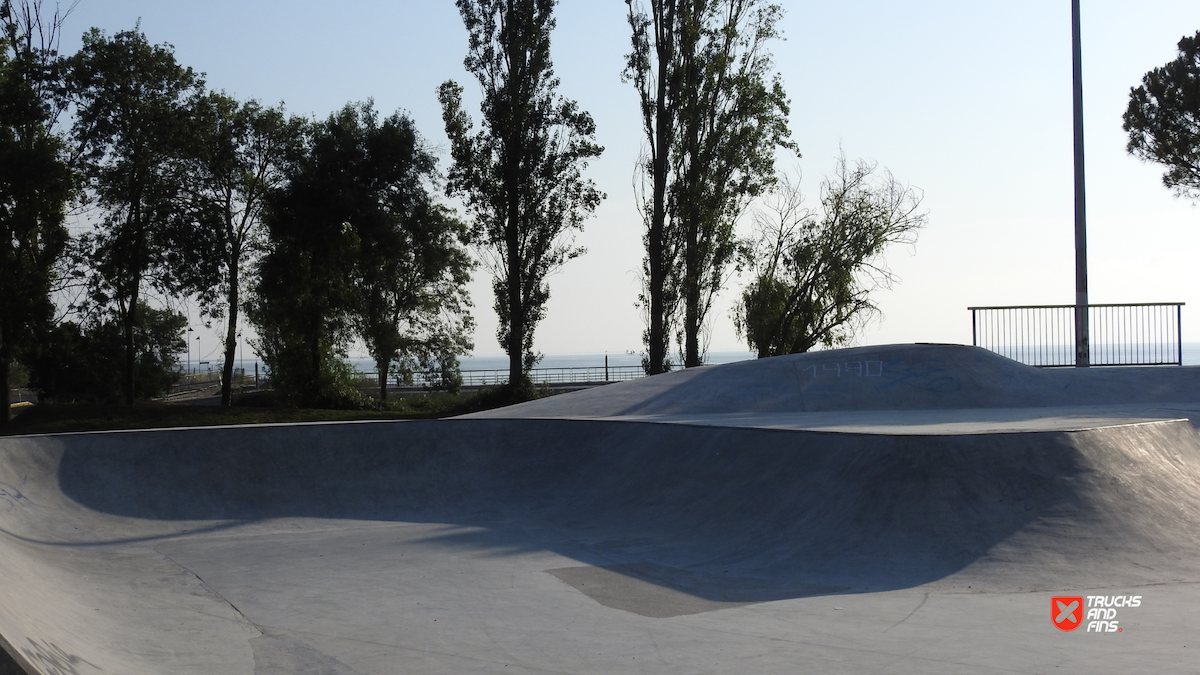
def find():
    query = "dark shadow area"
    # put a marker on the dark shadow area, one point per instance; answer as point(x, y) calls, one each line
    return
point(8, 666)
point(660, 592)
point(774, 509)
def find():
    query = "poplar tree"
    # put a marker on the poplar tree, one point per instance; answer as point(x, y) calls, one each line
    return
point(521, 174)
point(714, 114)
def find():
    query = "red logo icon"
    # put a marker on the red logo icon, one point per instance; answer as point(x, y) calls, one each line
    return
point(1066, 612)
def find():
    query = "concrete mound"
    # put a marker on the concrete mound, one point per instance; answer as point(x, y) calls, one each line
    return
point(892, 377)
point(672, 524)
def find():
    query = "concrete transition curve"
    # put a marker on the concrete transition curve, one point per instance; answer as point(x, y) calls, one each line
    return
point(911, 508)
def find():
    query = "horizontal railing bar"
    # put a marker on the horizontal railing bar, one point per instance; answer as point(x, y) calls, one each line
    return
point(1129, 304)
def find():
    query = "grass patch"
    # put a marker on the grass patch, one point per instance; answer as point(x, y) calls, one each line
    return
point(254, 408)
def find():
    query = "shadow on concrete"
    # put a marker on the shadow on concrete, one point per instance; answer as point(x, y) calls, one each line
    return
point(780, 513)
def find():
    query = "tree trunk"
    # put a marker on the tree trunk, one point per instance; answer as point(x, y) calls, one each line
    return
point(656, 244)
point(693, 179)
point(134, 293)
point(230, 332)
point(691, 320)
point(130, 350)
point(5, 364)
point(314, 386)
point(382, 368)
point(516, 309)
point(514, 151)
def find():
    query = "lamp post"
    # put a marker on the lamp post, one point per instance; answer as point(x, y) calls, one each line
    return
point(1082, 346)
point(241, 356)
point(189, 350)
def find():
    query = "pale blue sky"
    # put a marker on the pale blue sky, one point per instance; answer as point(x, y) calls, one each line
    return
point(969, 101)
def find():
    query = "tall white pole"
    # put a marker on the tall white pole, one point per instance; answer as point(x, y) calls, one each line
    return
point(1082, 342)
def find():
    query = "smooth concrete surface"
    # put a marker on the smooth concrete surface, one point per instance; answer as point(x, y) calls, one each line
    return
point(699, 522)
point(895, 377)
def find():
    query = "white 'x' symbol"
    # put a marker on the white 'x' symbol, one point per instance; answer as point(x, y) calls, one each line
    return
point(1066, 611)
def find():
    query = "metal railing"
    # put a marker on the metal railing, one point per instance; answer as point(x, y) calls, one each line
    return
point(198, 384)
point(1145, 334)
point(549, 376)
point(21, 395)
point(572, 375)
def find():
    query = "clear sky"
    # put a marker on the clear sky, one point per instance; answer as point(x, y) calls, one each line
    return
point(970, 101)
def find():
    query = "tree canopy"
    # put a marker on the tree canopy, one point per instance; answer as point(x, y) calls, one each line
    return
point(714, 114)
point(813, 272)
point(1163, 119)
point(243, 151)
point(358, 247)
point(521, 174)
point(35, 182)
point(134, 124)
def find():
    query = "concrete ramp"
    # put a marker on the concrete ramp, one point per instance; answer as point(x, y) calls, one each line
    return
point(893, 377)
point(672, 528)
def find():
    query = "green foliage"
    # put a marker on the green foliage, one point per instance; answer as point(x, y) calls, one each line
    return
point(1163, 119)
point(35, 182)
point(714, 115)
point(243, 151)
point(412, 270)
point(521, 174)
point(813, 272)
point(134, 126)
point(304, 292)
point(444, 373)
point(651, 67)
point(357, 247)
point(74, 362)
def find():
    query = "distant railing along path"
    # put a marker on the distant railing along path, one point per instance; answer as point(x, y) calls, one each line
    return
point(1145, 334)
point(581, 375)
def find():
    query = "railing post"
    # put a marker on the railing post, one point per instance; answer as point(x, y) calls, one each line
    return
point(1179, 333)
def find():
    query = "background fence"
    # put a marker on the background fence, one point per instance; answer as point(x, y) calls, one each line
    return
point(550, 376)
point(1147, 334)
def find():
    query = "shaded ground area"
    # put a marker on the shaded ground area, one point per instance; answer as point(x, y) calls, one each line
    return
point(656, 529)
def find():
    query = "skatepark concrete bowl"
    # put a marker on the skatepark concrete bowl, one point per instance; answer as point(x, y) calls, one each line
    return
point(904, 509)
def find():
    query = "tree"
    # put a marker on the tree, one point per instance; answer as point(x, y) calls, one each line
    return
point(521, 175)
point(813, 272)
point(134, 124)
point(35, 182)
point(84, 361)
point(358, 247)
point(241, 159)
point(303, 293)
point(1163, 119)
point(651, 68)
point(412, 270)
point(727, 115)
